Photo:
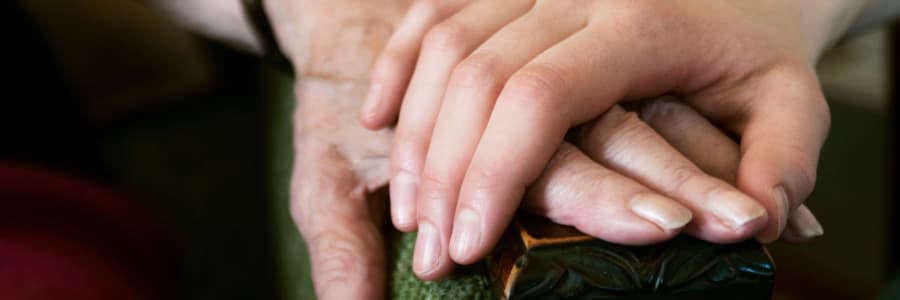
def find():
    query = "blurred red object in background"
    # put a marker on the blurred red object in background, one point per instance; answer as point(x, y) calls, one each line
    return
point(65, 238)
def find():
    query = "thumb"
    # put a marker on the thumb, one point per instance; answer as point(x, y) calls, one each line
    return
point(340, 224)
point(780, 145)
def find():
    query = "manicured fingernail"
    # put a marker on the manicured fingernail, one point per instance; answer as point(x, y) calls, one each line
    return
point(428, 249)
point(466, 235)
point(804, 223)
point(734, 209)
point(403, 197)
point(784, 207)
point(373, 100)
point(662, 211)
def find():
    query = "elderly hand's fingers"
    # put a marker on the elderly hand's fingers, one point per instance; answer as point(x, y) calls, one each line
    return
point(721, 212)
point(783, 122)
point(340, 225)
point(443, 47)
point(714, 152)
point(574, 190)
point(693, 135)
point(394, 67)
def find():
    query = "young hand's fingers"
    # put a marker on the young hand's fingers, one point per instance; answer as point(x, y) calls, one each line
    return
point(394, 66)
point(561, 87)
point(388, 81)
point(574, 190)
point(785, 123)
point(338, 223)
point(468, 101)
point(442, 48)
point(695, 137)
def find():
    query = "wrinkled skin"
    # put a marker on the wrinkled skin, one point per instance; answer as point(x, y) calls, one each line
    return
point(338, 164)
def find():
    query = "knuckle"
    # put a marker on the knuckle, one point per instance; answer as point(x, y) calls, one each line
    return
point(336, 257)
point(421, 4)
point(477, 70)
point(405, 165)
point(435, 185)
point(565, 153)
point(409, 151)
point(488, 180)
point(434, 8)
point(640, 17)
point(389, 61)
point(537, 84)
point(409, 134)
point(627, 133)
point(661, 110)
point(638, 10)
point(446, 39)
point(630, 123)
point(681, 176)
point(426, 7)
point(337, 250)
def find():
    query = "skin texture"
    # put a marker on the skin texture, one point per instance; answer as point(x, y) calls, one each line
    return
point(341, 168)
point(338, 164)
point(485, 91)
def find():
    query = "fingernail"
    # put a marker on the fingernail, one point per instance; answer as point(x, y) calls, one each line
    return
point(428, 249)
point(784, 207)
point(662, 211)
point(373, 101)
point(403, 196)
point(734, 209)
point(466, 235)
point(805, 224)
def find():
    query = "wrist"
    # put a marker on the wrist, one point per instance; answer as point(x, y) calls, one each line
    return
point(336, 40)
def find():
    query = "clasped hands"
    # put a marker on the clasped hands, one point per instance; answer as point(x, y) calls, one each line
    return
point(484, 94)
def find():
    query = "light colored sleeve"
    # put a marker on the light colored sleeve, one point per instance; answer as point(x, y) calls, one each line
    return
point(222, 20)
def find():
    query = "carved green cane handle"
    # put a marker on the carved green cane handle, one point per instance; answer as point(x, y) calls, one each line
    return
point(541, 260)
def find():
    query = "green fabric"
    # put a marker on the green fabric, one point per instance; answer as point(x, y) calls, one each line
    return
point(470, 282)
point(294, 275)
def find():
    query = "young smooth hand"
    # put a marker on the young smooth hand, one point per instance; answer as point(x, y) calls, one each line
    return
point(484, 92)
